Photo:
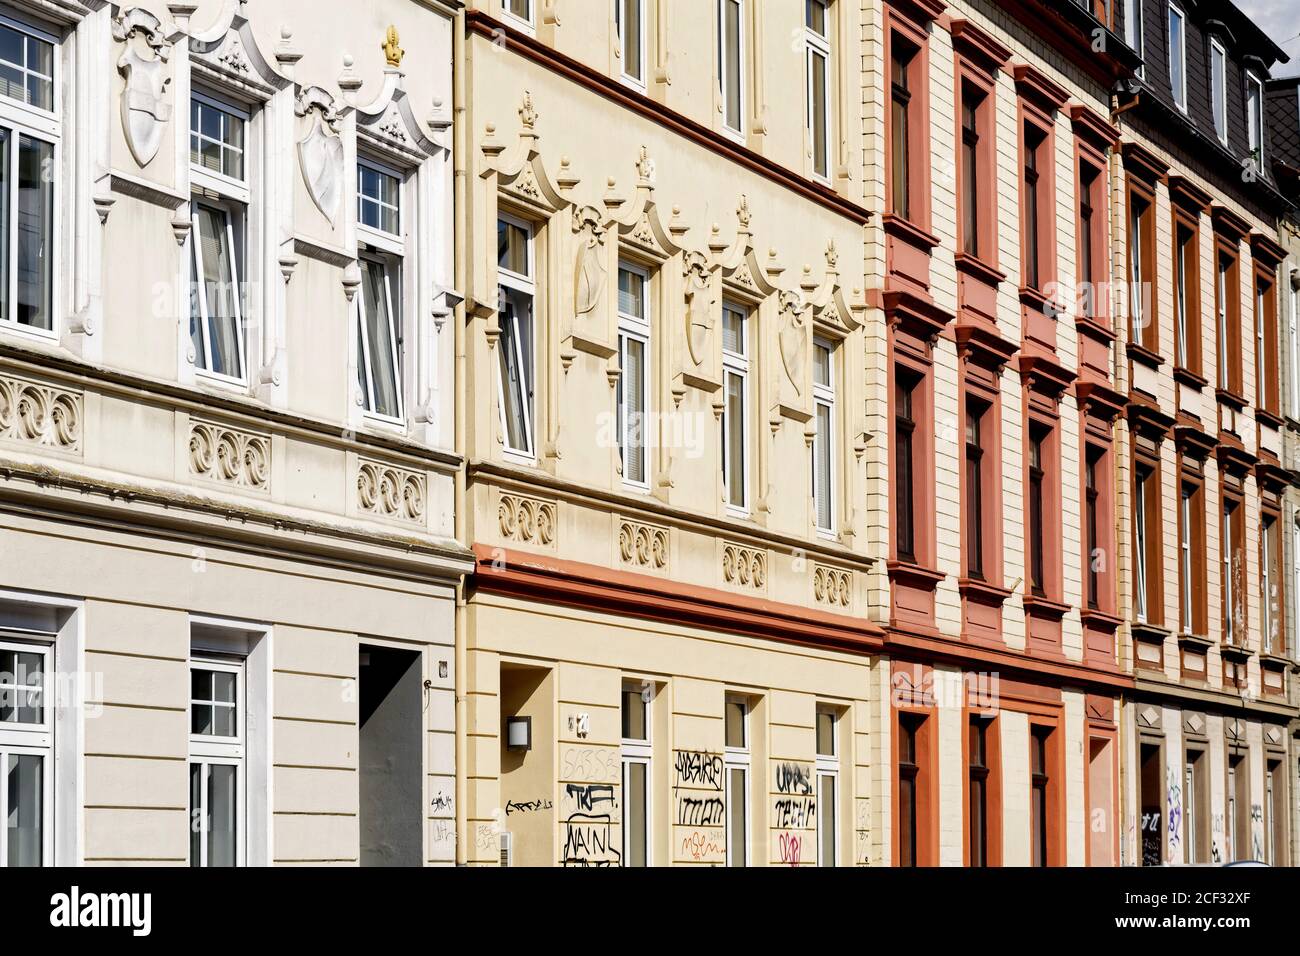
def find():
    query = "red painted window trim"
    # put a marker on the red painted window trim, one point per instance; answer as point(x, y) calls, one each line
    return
point(992, 787)
point(1139, 191)
point(1054, 770)
point(918, 708)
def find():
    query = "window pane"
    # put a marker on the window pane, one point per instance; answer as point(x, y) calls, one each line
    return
point(26, 785)
point(634, 715)
point(378, 195)
point(216, 255)
point(825, 733)
point(26, 68)
point(631, 27)
point(822, 467)
point(731, 59)
point(633, 393)
point(512, 248)
point(631, 293)
point(736, 723)
point(635, 813)
point(733, 331)
point(196, 814)
point(737, 817)
point(817, 68)
point(1217, 79)
point(380, 352)
point(821, 365)
point(826, 807)
point(222, 815)
point(734, 425)
point(515, 354)
point(35, 232)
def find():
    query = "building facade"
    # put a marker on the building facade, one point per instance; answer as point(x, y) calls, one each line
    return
point(226, 419)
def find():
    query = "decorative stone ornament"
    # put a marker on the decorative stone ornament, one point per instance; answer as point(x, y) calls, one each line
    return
point(794, 339)
point(391, 46)
point(320, 152)
point(699, 305)
point(143, 65)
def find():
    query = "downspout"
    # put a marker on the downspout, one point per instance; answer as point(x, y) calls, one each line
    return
point(460, 270)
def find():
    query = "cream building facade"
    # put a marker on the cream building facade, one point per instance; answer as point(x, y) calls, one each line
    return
point(227, 424)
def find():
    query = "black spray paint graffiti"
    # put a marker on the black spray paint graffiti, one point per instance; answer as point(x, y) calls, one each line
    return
point(441, 802)
point(587, 796)
point(793, 778)
point(700, 812)
point(527, 806)
point(588, 840)
point(795, 809)
point(697, 769)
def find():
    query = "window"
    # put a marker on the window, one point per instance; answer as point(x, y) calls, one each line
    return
point(1092, 540)
point(1255, 119)
point(1191, 554)
point(972, 171)
point(975, 440)
point(1040, 802)
point(520, 9)
point(26, 754)
point(1038, 436)
point(1238, 822)
point(911, 794)
point(977, 794)
point(823, 450)
point(902, 69)
point(629, 21)
point(817, 51)
point(1219, 89)
point(1036, 216)
point(828, 779)
point(633, 390)
point(731, 63)
point(1091, 229)
point(636, 773)
point(516, 292)
point(1270, 572)
point(1187, 304)
point(736, 763)
point(1275, 813)
point(1146, 542)
point(1178, 56)
point(907, 384)
point(216, 762)
point(1141, 267)
point(735, 413)
point(1133, 28)
point(1233, 571)
point(1267, 384)
point(1227, 307)
point(29, 135)
point(1192, 805)
point(379, 322)
point(219, 213)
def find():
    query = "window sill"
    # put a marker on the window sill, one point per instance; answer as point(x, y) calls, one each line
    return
point(1271, 419)
point(1189, 379)
point(1044, 608)
point(1144, 356)
point(1100, 620)
point(977, 268)
point(983, 593)
point(1094, 327)
point(1148, 633)
point(1231, 399)
point(915, 575)
point(909, 232)
point(1037, 301)
point(223, 383)
point(1235, 652)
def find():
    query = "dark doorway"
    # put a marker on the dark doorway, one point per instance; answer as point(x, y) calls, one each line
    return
point(1153, 803)
point(390, 760)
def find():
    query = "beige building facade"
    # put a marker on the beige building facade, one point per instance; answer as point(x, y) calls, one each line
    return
point(226, 419)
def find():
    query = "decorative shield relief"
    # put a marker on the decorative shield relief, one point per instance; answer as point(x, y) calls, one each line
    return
point(320, 154)
point(144, 107)
point(794, 341)
point(699, 311)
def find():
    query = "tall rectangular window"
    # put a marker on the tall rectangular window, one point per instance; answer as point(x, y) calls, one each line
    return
point(26, 754)
point(823, 450)
point(976, 414)
point(1133, 28)
point(219, 212)
point(1178, 55)
point(911, 783)
point(1270, 571)
point(906, 384)
point(633, 389)
point(828, 780)
point(1141, 268)
point(1038, 435)
point(902, 55)
point(817, 52)
point(1091, 530)
point(1255, 119)
point(977, 793)
point(29, 134)
point(736, 766)
point(1146, 542)
point(1227, 306)
point(973, 114)
point(1040, 802)
point(735, 412)
point(1233, 571)
point(1267, 340)
point(629, 21)
point(216, 762)
point(1190, 556)
point(1219, 89)
point(1033, 197)
point(515, 295)
point(637, 756)
point(1187, 294)
point(1091, 278)
point(731, 63)
point(379, 322)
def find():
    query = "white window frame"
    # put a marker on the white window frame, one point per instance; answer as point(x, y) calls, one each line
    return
point(234, 199)
point(817, 45)
point(1221, 267)
point(23, 119)
point(640, 752)
point(1180, 292)
point(1229, 515)
point(1134, 34)
point(526, 285)
point(1255, 120)
point(1293, 315)
point(1185, 557)
point(631, 78)
point(1190, 809)
point(1140, 608)
point(824, 397)
point(1180, 89)
point(1267, 530)
point(390, 250)
point(208, 750)
point(1261, 380)
point(724, 62)
point(527, 22)
point(828, 765)
point(635, 328)
point(736, 364)
point(738, 758)
point(1136, 313)
point(35, 740)
point(1219, 91)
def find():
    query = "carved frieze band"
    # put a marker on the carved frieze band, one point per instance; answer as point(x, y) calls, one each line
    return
point(229, 455)
point(529, 520)
point(391, 492)
point(643, 546)
point(40, 414)
point(832, 586)
point(744, 567)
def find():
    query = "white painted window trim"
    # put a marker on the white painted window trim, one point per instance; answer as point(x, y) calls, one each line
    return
point(1267, 639)
point(526, 285)
point(1229, 515)
point(210, 750)
point(1293, 315)
point(642, 752)
point(635, 328)
point(738, 758)
point(1190, 808)
point(824, 397)
point(631, 79)
point(724, 62)
point(1136, 312)
point(815, 45)
point(1140, 609)
point(527, 23)
point(1134, 34)
point(23, 119)
point(828, 765)
point(390, 249)
point(1185, 558)
point(736, 364)
point(1180, 91)
point(1221, 267)
point(1219, 91)
point(1180, 292)
point(1255, 119)
point(35, 740)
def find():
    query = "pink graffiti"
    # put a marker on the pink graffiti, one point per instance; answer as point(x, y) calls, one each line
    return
point(791, 847)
